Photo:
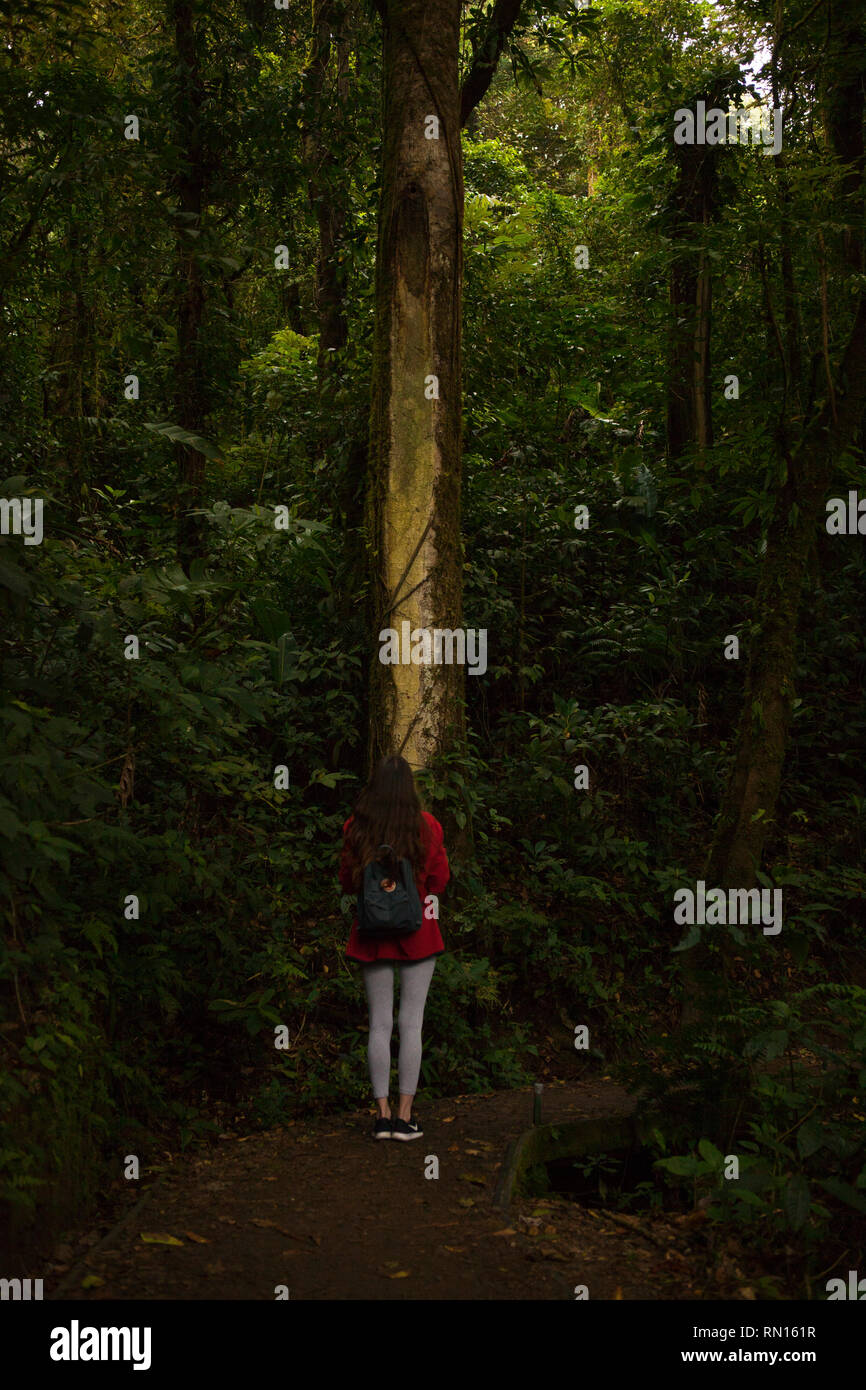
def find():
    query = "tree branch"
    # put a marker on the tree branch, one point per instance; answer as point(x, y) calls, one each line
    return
point(480, 75)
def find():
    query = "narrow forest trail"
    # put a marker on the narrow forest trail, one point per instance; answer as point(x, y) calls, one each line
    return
point(320, 1207)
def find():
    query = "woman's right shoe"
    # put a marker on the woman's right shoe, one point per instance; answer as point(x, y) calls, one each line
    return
point(405, 1129)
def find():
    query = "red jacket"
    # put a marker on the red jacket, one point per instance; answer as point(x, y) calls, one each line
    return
point(427, 940)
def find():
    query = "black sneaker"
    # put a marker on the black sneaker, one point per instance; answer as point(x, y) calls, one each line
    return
point(383, 1129)
point(406, 1129)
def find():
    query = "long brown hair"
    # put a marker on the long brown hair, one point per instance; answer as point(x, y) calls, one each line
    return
point(387, 812)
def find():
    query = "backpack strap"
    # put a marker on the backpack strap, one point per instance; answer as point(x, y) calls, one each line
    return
point(392, 859)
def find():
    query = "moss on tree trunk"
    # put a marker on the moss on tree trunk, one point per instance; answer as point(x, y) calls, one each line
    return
point(413, 493)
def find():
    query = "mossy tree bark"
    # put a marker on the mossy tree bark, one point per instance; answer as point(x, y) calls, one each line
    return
point(413, 493)
point(412, 501)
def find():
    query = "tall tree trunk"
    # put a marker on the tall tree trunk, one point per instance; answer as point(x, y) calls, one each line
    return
point(326, 92)
point(689, 415)
point(680, 414)
point(325, 185)
point(291, 306)
point(749, 804)
point(800, 507)
point(701, 357)
point(412, 504)
point(78, 391)
point(189, 189)
point(413, 492)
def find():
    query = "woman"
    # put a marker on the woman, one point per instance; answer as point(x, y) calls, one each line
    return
point(388, 812)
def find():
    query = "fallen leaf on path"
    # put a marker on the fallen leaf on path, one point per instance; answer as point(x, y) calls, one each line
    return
point(506, 1231)
point(91, 1281)
point(455, 1249)
point(466, 1202)
point(473, 1177)
point(447, 1119)
point(157, 1239)
point(401, 1274)
point(199, 1240)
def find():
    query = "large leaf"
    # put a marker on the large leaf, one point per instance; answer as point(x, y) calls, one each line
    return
point(845, 1192)
point(710, 1154)
point(10, 825)
point(681, 1165)
point(691, 938)
point(809, 1138)
point(797, 1200)
point(273, 621)
point(181, 436)
point(13, 577)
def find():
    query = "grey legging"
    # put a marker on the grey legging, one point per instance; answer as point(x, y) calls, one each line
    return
point(415, 977)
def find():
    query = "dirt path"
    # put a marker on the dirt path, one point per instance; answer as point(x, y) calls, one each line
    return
point(320, 1207)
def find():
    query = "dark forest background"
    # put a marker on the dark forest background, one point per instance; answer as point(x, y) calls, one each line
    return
point(155, 258)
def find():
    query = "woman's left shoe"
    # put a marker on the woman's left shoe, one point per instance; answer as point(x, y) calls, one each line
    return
point(406, 1129)
point(383, 1129)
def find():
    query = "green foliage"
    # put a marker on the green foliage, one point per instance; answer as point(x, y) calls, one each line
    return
point(794, 1070)
point(155, 777)
point(493, 170)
